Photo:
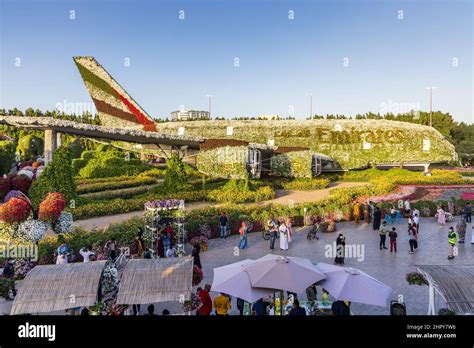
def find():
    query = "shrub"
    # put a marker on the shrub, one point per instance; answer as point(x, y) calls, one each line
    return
point(29, 147)
point(176, 179)
point(15, 210)
point(153, 173)
point(239, 191)
point(78, 164)
point(51, 207)
point(111, 166)
point(7, 156)
point(56, 177)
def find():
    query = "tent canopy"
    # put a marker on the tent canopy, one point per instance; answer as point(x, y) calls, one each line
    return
point(156, 280)
point(50, 288)
point(454, 283)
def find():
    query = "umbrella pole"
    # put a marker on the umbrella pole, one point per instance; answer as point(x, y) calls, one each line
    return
point(274, 304)
point(281, 302)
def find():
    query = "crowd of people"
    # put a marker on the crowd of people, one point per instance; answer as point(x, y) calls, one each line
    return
point(221, 304)
point(380, 219)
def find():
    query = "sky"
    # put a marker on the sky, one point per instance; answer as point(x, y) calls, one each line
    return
point(254, 57)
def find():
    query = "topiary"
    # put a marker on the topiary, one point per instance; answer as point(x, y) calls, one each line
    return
point(7, 156)
point(56, 177)
point(176, 178)
point(29, 147)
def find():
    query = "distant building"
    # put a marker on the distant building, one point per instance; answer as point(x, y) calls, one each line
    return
point(188, 115)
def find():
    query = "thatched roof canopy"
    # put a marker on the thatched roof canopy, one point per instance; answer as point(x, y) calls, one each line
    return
point(49, 288)
point(454, 283)
point(156, 280)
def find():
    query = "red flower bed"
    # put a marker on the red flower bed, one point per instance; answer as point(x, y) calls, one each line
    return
point(4, 187)
point(467, 196)
point(21, 183)
point(51, 207)
point(15, 210)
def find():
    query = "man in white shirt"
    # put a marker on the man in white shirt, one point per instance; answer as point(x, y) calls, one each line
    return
point(407, 206)
point(86, 253)
point(416, 219)
point(416, 212)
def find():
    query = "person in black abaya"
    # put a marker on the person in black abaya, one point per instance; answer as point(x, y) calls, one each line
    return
point(377, 218)
point(340, 249)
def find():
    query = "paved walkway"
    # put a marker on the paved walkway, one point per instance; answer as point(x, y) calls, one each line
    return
point(387, 267)
point(282, 197)
point(390, 268)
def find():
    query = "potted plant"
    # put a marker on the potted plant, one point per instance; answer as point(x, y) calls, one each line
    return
point(97, 308)
point(416, 278)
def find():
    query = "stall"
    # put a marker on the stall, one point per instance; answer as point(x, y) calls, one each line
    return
point(146, 281)
point(50, 288)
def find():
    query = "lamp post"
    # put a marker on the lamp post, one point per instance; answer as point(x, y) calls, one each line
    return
point(209, 97)
point(431, 104)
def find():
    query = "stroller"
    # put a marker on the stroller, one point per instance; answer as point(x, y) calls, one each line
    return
point(312, 234)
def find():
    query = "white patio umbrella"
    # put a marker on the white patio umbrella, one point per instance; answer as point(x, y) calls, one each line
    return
point(353, 285)
point(277, 272)
point(233, 280)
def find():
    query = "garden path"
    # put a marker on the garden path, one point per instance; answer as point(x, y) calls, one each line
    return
point(282, 197)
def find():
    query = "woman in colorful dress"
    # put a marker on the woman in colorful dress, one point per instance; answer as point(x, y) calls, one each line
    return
point(290, 229)
point(243, 236)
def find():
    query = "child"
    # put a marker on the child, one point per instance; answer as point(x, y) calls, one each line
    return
point(393, 239)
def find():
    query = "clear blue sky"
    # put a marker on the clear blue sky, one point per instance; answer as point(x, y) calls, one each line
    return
point(176, 62)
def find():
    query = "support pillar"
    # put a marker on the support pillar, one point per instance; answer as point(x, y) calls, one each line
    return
point(426, 166)
point(50, 144)
point(59, 139)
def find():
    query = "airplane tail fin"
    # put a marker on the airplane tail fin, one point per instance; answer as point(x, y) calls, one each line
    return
point(116, 108)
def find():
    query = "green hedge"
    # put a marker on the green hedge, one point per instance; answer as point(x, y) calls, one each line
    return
point(240, 191)
point(107, 161)
point(7, 156)
point(120, 193)
point(119, 205)
point(301, 184)
point(112, 185)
